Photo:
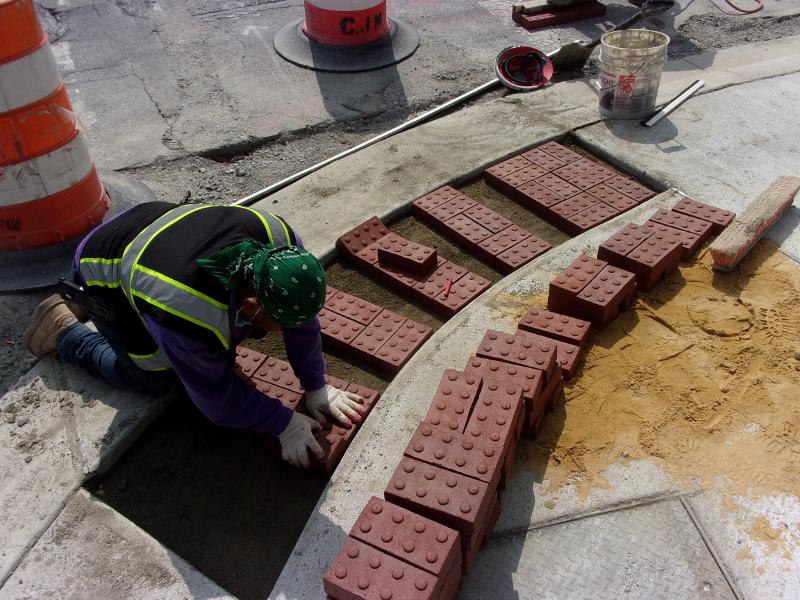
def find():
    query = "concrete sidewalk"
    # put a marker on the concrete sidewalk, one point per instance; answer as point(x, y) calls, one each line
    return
point(74, 427)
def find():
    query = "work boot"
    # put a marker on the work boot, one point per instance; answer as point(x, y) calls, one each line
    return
point(50, 318)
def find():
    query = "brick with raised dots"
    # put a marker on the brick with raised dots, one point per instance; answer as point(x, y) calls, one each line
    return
point(402, 345)
point(698, 227)
point(406, 255)
point(500, 242)
point(653, 260)
point(558, 186)
point(329, 291)
point(449, 209)
point(288, 398)
point(278, 372)
point(428, 291)
point(521, 254)
point(568, 355)
point(247, 361)
point(361, 572)
point(516, 350)
point(487, 218)
point(691, 242)
point(719, 218)
point(613, 198)
point(462, 292)
point(556, 326)
point(410, 537)
point(453, 400)
point(436, 197)
point(572, 206)
point(616, 248)
point(401, 280)
point(530, 380)
point(607, 294)
point(534, 418)
point(377, 333)
point(369, 395)
point(352, 307)
point(359, 238)
point(591, 217)
point(457, 452)
point(564, 288)
point(543, 160)
point(560, 152)
point(630, 188)
point(336, 382)
point(537, 198)
point(584, 173)
point(450, 498)
point(508, 166)
point(338, 331)
point(511, 181)
point(464, 231)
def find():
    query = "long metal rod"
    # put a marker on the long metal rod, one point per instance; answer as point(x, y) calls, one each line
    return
point(269, 190)
point(672, 104)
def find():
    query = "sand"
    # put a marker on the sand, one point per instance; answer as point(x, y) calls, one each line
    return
point(701, 378)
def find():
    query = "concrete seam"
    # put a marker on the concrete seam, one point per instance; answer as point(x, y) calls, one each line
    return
point(617, 507)
point(707, 541)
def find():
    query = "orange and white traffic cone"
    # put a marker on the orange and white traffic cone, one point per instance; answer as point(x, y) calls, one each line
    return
point(346, 35)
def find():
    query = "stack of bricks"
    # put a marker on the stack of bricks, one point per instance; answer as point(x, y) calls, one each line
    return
point(550, 15)
point(446, 288)
point(275, 378)
point(568, 334)
point(478, 229)
point(564, 188)
point(373, 334)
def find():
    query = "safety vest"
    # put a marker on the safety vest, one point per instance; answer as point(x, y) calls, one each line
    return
point(143, 263)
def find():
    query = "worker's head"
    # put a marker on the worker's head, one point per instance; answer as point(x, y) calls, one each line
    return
point(275, 287)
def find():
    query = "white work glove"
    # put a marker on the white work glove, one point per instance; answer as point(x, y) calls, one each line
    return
point(297, 439)
point(342, 406)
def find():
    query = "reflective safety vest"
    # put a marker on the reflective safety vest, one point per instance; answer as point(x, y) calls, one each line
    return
point(143, 263)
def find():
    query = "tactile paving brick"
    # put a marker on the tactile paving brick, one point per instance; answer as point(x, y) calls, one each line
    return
point(610, 292)
point(352, 307)
point(564, 289)
point(509, 182)
point(551, 16)
point(456, 452)
point(508, 166)
point(584, 173)
point(653, 260)
point(616, 248)
point(545, 404)
point(358, 238)
point(278, 372)
point(288, 398)
point(400, 279)
point(556, 326)
point(453, 400)
point(591, 217)
point(521, 254)
point(497, 414)
point(719, 217)
point(543, 160)
point(410, 537)
point(630, 188)
point(436, 197)
point(450, 498)
point(247, 361)
point(487, 218)
point(369, 395)
point(557, 185)
point(403, 344)
point(571, 206)
point(613, 198)
point(329, 291)
point(697, 227)
point(435, 283)
point(500, 242)
point(336, 382)
point(406, 255)
point(464, 231)
point(537, 198)
point(530, 380)
point(560, 152)
point(377, 333)
point(338, 330)
point(462, 292)
point(568, 354)
point(361, 572)
point(516, 350)
point(691, 242)
point(450, 208)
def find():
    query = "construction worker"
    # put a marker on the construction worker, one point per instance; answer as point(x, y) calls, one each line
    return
point(173, 289)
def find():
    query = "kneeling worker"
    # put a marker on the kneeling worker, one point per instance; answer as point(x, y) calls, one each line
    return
point(173, 289)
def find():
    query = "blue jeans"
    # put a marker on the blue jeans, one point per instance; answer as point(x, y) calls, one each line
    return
point(103, 356)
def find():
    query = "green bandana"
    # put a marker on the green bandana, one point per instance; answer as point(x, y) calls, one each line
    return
point(288, 281)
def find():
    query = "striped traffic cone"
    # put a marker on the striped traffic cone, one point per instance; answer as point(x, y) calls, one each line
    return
point(346, 35)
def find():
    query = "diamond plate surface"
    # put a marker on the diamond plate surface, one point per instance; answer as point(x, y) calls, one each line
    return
point(651, 552)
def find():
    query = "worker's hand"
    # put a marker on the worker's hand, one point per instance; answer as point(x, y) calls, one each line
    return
point(297, 439)
point(342, 406)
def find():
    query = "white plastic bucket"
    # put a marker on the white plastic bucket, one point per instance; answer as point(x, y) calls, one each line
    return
point(631, 63)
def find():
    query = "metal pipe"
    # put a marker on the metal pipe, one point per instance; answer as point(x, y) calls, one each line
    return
point(271, 189)
point(672, 104)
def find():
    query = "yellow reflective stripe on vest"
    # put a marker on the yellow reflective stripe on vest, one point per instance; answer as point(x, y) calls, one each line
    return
point(150, 362)
point(100, 271)
point(277, 232)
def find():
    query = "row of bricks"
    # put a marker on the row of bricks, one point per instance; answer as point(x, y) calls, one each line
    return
point(446, 290)
point(373, 334)
point(479, 229)
point(555, 15)
point(275, 378)
point(572, 192)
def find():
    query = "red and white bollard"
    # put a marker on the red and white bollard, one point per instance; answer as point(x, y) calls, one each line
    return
point(346, 35)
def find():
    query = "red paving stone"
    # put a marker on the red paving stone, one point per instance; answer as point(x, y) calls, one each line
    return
point(336, 382)
point(457, 452)
point(556, 15)
point(500, 242)
point(516, 350)
point(613, 198)
point(508, 166)
point(288, 398)
point(543, 160)
point(278, 372)
point(355, 240)
point(435, 283)
point(556, 326)
point(698, 227)
point(435, 198)
point(560, 152)
point(558, 186)
point(530, 380)
point(537, 198)
point(719, 217)
point(568, 355)
point(691, 242)
point(591, 217)
point(453, 400)
point(464, 291)
point(377, 333)
point(410, 537)
point(487, 218)
point(360, 571)
point(630, 188)
point(497, 418)
point(352, 307)
point(653, 261)
point(610, 292)
point(464, 231)
point(402, 345)
point(566, 286)
point(247, 361)
point(521, 254)
point(509, 182)
point(338, 331)
point(369, 395)
point(584, 173)
point(616, 248)
point(572, 206)
point(450, 498)
point(406, 255)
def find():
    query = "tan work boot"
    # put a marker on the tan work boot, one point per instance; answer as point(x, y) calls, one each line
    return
point(50, 318)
